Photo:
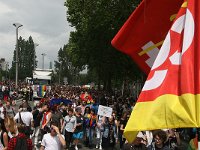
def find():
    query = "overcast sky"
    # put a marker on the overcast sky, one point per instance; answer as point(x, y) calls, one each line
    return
point(44, 20)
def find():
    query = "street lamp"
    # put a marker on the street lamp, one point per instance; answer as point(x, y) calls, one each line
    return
point(60, 68)
point(17, 25)
point(35, 45)
point(43, 54)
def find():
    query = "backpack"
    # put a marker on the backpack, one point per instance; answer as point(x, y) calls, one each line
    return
point(21, 144)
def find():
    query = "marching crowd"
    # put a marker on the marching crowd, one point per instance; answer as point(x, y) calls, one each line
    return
point(50, 126)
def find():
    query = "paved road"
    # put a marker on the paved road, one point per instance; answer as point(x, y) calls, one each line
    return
point(81, 145)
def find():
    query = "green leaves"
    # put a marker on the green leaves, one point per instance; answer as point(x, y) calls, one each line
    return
point(96, 23)
point(26, 58)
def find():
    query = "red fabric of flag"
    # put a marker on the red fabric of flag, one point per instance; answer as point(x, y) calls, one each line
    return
point(143, 33)
point(170, 97)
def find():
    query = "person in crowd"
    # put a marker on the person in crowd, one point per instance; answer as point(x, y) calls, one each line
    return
point(21, 141)
point(123, 122)
point(159, 141)
point(86, 113)
point(9, 110)
point(173, 140)
point(90, 123)
point(116, 120)
point(63, 110)
point(6, 94)
point(149, 137)
point(46, 118)
point(27, 105)
point(2, 112)
point(78, 133)
point(69, 127)
point(99, 131)
point(94, 105)
point(10, 126)
point(69, 107)
point(57, 116)
point(26, 94)
point(53, 140)
point(26, 117)
point(193, 144)
point(37, 118)
point(13, 96)
point(82, 106)
point(3, 138)
point(31, 94)
point(29, 108)
point(109, 137)
point(186, 135)
point(139, 143)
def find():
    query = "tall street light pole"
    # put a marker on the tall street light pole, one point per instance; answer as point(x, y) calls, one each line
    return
point(43, 54)
point(60, 72)
point(35, 45)
point(17, 25)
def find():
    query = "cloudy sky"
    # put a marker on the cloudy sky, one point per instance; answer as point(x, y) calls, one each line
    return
point(44, 20)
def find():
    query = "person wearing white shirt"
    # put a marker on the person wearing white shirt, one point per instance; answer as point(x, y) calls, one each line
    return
point(53, 140)
point(68, 127)
point(26, 116)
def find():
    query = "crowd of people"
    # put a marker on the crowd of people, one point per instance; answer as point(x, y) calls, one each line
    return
point(48, 126)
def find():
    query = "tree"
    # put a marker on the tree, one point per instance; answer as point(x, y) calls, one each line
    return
point(96, 23)
point(64, 67)
point(26, 58)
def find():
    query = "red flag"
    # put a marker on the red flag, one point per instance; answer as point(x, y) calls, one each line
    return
point(143, 33)
point(170, 97)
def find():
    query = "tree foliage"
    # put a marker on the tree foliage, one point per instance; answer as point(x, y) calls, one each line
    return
point(26, 53)
point(64, 67)
point(96, 23)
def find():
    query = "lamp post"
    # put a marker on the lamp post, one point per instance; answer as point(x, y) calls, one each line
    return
point(60, 68)
point(17, 25)
point(35, 45)
point(43, 54)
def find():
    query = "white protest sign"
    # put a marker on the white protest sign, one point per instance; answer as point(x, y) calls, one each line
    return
point(104, 111)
